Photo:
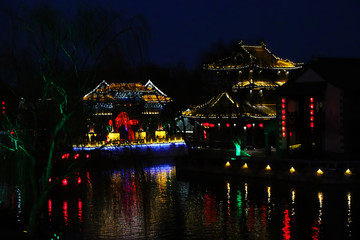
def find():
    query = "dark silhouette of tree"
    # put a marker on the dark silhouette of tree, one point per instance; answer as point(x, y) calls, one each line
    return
point(53, 59)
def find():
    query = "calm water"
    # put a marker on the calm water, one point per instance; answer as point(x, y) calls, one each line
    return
point(154, 203)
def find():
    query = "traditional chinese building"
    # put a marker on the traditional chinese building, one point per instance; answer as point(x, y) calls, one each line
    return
point(317, 110)
point(249, 78)
point(125, 112)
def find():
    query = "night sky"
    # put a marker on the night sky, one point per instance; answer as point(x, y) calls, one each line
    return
point(297, 30)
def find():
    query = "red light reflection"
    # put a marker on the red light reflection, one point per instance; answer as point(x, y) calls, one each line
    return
point(80, 209)
point(65, 212)
point(210, 209)
point(286, 228)
point(50, 209)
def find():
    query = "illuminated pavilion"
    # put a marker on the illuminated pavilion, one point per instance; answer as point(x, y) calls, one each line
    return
point(249, 78)
point(125, 112)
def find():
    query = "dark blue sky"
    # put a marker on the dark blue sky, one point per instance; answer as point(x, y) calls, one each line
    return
point(295, 30)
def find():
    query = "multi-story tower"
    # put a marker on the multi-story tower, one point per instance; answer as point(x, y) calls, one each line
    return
point(250, 76)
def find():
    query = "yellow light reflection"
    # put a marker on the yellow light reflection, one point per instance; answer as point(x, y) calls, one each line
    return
point(227, 164)
point(292, 170)
point(349, 220)
point(228, 197)
point(268, 168)
point(293, 202)
point(246, 191)
point(321, 197)
point(293, 196)
point(269, 193)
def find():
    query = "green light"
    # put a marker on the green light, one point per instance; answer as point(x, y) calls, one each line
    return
point(237, 149)
point(239, 200)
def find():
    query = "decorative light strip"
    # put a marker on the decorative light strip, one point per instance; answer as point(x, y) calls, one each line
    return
point(283, 117)
point(154, 146)
point(3, 108)
point(311, 106)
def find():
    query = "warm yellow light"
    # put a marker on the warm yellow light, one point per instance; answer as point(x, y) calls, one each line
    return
point(245, 166)
point(268, 168)
point(227, 164)
point(292, 170)
point(160, 134)
point(113, 136)
point(348, 172)
point(319, 172)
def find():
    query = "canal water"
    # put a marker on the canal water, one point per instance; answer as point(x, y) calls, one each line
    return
point(154, 201)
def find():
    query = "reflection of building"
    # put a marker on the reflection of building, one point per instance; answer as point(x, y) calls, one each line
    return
point(317, 110)
point(129, 111)
point(249, 77)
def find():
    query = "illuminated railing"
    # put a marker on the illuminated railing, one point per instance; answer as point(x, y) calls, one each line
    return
point(153, 144)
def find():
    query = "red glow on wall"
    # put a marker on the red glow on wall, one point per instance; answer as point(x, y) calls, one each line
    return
point(227, 125)
point(66, 155)
point(248, 125)
point(110, 122)
point(261, 125)
point(205, 136)
point(134, 122)
point(211, 125)
point(76, 156)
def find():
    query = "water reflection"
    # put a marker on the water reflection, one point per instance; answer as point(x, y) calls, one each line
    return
point(151, 203)
point(318, 221)
point(348, 218)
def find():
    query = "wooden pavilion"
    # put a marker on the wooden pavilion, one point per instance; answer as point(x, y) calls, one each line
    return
point(249, 78)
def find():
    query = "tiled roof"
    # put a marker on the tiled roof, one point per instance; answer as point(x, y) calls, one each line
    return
point(251, 56)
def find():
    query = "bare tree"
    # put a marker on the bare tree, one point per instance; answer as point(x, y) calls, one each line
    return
point(63, 53)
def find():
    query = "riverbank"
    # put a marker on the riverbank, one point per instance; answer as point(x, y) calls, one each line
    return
point(258, 165)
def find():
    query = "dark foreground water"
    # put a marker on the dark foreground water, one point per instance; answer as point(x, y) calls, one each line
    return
point(152, 202)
